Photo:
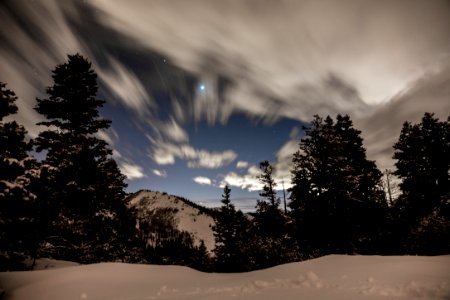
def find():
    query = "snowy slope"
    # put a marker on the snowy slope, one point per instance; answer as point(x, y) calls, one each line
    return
point(187, 218)
point(331, 277)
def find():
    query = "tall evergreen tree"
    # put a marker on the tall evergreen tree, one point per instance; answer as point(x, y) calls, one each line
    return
point(84, 189)
point(336, 196)
point(270, 237)
point(269, 217)
point(423, 164)
point(229, 237)
point(269, 184)
point(16, 199)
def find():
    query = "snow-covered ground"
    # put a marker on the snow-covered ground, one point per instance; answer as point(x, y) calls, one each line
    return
point(331, 277)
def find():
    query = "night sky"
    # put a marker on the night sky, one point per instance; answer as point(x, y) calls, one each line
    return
point(200, 92)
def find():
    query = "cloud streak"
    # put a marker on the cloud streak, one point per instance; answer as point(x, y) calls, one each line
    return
point(282, 166)
point(166, 153)
point(202, 180)
point(292, 52)
point(248, 181)
point(291, 59)
point(131, 170)
point(160, 173)
point(382, 129)
point(382, 62)
point(127, 88)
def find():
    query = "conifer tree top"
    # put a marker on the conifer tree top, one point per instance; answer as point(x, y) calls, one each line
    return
point(7, 99)
point(72, 103)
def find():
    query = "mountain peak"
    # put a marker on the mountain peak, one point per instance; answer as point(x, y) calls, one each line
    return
point(184, 214)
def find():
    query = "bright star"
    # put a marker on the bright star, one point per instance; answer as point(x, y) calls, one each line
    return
point(202, 87)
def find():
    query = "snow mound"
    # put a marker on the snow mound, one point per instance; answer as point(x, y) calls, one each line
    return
point(331, 277)
point(46, 263)
point(186, 217)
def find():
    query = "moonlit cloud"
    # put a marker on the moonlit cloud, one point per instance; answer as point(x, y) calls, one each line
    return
point(173, 131)
point(284, 157)
point(127, 88)
point(241, 164)
point(249, 181)
point(165, 154)
point(110, 136)
point(202, 180)
point(310, 40)
point(160, 173)
point(25, 61)
point(132, 171)
point(381, 62)
point(282, 167)
point(116, 154)
point(211, 160)
point(162, 157)
point(382, 129)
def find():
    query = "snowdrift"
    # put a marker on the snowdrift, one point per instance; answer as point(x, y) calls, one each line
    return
point(331, 277)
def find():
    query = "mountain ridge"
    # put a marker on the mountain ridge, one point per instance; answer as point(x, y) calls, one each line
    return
point(160, 209)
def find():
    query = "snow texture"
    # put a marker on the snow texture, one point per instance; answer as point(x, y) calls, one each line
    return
point(187, 218)
point(336, 277)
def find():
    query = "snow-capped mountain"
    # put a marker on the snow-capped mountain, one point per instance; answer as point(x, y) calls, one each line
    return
point(178, 212)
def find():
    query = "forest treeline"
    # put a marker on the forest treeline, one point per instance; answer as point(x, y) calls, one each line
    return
point(72, 204)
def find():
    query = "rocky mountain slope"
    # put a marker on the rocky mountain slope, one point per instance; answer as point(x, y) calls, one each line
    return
point(161, 210)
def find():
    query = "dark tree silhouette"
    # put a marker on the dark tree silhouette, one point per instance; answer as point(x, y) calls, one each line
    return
point(229, 236)
point(423, 163)
point(336, 198)
point(17, 202)
point(269, 217)
point(270, 240)
point(86, 215)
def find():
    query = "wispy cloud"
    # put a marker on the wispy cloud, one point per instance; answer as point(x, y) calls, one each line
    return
point(25, 60)
point(211, 160)
point(284, 157)
point(110, 136)
point(383, 62)
point(202, 180)
point(127, 88)
point(173, 131)
point(317, 50)
point(164, 153)
point(132, 171)
point(248, 181)
point(160, 173)
point(242, 164)
point(382, 129)
point(282, 166)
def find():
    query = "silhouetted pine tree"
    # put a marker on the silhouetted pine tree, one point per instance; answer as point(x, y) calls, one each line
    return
point(229, 234)
point(423, 164)
point(16, 200)
point(269, 223)
point(269, 217)
point(86, 215)
point(337, 199)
